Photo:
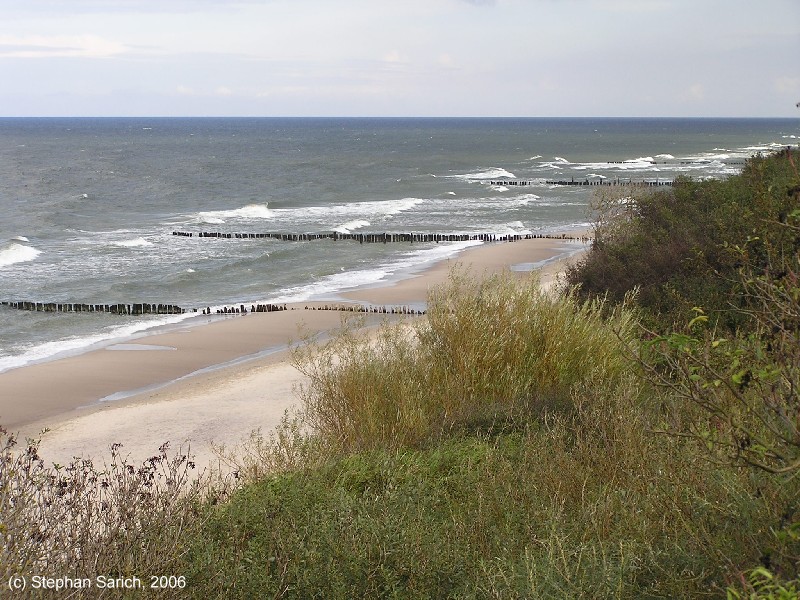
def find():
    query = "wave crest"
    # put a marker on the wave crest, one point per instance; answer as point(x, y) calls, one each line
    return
point(248, 212)
point(134, 243)
point(15, 252)
point(351, 225)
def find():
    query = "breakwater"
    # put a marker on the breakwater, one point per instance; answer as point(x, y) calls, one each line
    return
point(587, 181)
point(242, 309)
point(613, 182)
point(379, 238)
point(171, 309)
point(116, 309)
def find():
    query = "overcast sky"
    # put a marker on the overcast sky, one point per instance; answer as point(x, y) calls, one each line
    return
point(736, 58)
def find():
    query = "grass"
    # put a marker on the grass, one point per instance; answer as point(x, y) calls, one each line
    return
point(491, 351)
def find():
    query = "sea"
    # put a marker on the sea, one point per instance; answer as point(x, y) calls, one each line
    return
point(88, 206)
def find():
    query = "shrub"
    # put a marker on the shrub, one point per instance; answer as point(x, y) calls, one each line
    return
point(81, 521)
point(678, 247)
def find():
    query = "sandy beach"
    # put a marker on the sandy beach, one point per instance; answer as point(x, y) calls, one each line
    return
point(213, 379)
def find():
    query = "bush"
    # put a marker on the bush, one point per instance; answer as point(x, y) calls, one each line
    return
point(81, 521)
point(680, 247)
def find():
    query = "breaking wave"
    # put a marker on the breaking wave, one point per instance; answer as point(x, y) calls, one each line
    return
point(15, 252)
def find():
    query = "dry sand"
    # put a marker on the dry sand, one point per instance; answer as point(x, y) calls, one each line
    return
point(213, 380)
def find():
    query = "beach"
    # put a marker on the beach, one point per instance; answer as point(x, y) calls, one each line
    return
point(215, 379)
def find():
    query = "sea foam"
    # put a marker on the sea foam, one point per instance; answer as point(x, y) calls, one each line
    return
point(351, 225)
point(15, 252)
point(249, 213)
point(134, 243)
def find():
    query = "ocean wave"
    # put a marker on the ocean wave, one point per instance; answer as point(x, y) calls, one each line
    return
point(209, 220)
point(351, 225)
point(330, 216)
point(79, 344)
point(330, 286)
point(248, 213)
point(20, 238)
point(522, 200)
point(372, 209)
point(512, 228)
point(134, 243)
point(492, 173)
point(15, 252)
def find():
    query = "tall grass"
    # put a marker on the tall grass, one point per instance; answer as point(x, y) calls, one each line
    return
point(491, 350)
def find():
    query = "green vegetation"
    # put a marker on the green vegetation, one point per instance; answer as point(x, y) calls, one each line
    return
point(637, 436)
point(687, 246)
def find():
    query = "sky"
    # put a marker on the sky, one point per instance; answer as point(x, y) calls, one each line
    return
point(425, 58)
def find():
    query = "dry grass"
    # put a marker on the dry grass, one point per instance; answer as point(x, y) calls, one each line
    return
point(490, 351)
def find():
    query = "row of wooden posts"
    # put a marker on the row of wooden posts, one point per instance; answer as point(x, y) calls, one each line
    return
point(242, 309)
point(170, 309)
point(354, 308)
point(586, 181)
point(360, 308)
point(116, 309)
point(378, 238)
point(613, 182)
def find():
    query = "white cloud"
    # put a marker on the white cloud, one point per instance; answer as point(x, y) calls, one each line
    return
point(70, 46)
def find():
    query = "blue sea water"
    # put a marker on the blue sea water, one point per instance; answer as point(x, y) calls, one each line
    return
point(89, 205)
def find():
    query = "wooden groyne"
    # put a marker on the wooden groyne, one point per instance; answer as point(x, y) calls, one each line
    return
point(379, 238)
point(371, 309)
point(613, 182)
point(585, 181)
point(242, 309)
point(171, 309)
point(115, 309)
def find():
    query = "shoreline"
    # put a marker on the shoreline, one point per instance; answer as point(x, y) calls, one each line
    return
point(215, 382)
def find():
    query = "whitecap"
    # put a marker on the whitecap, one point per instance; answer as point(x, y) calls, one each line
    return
point(513, 228)
point(492, 173)
point(351, 225)
point(210, 220)
point(14, 253)
point(19, 238)
point(665, 156)
point(134, 243)
point(249, 212)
